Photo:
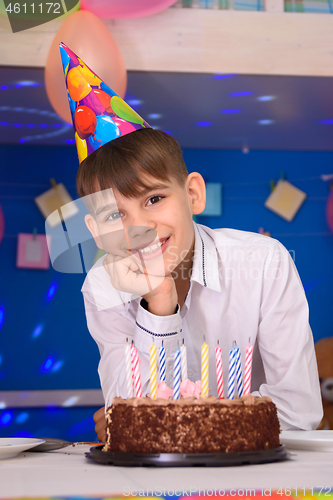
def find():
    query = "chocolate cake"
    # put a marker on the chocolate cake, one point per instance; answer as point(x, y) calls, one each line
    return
point(143, 425)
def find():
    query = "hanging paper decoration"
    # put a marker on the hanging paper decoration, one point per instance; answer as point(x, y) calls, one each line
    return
point(112, 9)
point(32, 251)
point(88, 36)
point(52, 200)
point(285, 200)
point(2, 224)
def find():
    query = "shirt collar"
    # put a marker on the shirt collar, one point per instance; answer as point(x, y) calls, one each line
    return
point(205, 268)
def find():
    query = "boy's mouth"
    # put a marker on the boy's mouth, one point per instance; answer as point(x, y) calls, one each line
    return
point(151, 249)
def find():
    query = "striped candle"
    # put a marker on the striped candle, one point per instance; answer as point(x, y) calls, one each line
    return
point(153, 371)
point(162, 363)
point(232, 372)
point(176, 375)
point(248, 368)
point(128, 367)
point(219, 371)
point(183, 361)
point(239, 375)
point(136, 372)
point(204, 370)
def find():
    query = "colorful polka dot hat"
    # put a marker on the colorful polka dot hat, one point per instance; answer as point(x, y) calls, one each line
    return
point(99, 115)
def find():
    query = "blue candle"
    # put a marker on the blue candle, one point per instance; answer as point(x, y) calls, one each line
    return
point(239, 375)
point(162, 363)
point(232, 372)
point(176, 376)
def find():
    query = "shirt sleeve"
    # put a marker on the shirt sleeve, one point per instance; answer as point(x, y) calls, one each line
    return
point(111, 327)
point(286, 346)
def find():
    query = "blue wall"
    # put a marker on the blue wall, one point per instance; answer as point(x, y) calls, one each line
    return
point(64, 338)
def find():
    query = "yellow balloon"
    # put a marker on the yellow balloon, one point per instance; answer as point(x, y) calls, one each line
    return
point(81, 147)
point(91, 78)
point(78, 87)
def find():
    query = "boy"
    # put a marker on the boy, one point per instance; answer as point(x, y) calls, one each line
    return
point(164, 278)
point(225, 284)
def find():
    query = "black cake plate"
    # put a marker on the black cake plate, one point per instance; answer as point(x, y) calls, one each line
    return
point(187, 460)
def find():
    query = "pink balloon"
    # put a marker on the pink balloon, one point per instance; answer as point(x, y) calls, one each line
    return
point(125, 8)
point(87, 36)
point(329, 210)
point(124, 126)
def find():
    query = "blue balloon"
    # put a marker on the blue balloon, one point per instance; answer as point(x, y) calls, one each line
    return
point(106, 130)
point(107, 89)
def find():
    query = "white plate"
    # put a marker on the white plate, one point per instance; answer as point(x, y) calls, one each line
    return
point(308, 440)
point(10, 447)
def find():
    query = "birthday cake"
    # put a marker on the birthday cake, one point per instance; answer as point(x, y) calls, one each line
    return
point(191, 425)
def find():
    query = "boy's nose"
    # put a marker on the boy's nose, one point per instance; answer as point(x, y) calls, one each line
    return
point(138, 235)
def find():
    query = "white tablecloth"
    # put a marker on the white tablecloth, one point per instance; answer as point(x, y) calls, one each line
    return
point(67, 472)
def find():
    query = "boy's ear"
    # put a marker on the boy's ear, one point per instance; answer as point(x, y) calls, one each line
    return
point(93, 228)
point(196, 190)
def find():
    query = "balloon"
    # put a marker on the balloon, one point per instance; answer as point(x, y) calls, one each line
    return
point(329, 210)
point(125, 8)
point(85, 121)
point(88, 36)
point(94, 103)
point(123, 110)
point(81, 147)
point(105, 99)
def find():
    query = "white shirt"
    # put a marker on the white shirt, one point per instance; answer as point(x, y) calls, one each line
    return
point(243, 286)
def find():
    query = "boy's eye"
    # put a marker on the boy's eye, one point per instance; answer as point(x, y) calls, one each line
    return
point(114, 216)
point(154, 199)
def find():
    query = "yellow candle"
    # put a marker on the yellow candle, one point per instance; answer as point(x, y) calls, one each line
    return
point(153, 371)
point(204, 370)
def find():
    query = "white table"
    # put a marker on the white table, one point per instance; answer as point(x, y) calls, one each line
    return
point(67, 472)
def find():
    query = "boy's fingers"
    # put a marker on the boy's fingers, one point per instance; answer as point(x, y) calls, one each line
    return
point(99, 414)
point(100, 421)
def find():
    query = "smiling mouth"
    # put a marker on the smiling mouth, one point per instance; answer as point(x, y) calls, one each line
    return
point(150, 249)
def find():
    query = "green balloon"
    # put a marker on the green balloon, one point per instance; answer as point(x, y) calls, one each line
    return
point(124, 111)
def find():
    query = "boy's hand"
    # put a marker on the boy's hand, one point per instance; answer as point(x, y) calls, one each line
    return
point(129, 275)
point(100, 424)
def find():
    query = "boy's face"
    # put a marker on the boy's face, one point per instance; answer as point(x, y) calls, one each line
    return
point(155, 228)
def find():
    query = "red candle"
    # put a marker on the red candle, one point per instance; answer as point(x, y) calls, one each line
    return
point(136, 372)
point(219, 371)
point(248, 369)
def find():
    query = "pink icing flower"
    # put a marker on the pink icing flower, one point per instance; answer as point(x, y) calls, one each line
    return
point(163, 391)
point(189, 389)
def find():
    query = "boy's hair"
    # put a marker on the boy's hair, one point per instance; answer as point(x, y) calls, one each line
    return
point(126, 162)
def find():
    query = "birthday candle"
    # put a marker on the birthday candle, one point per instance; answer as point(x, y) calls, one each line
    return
point(183, 360)
point(219, 371)
point(204, 370)
point(176, 376)
point(248, 368)
point(162, 363)
point(153, 371)
point(128, 367)
point(239, 375)
point(232, 371)
point(136, 372)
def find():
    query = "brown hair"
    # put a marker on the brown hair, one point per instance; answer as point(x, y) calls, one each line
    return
point(125, 163)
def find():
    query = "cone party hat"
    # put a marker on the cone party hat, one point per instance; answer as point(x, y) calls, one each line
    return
point(99, 115)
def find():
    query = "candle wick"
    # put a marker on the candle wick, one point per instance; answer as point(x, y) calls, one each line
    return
point(183, 342)
point(204, 337)
point(127, 339)
point(218, 342)
point(162, 342)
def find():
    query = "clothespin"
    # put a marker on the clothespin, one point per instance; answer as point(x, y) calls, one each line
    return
point(272, 185)
point(34, 233)
point(54, 184)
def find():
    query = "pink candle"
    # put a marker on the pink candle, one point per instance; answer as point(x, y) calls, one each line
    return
point(248, 369)
point(219, 371)
point(136, 372)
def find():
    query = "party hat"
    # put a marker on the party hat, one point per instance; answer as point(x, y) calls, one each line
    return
point(99, 115)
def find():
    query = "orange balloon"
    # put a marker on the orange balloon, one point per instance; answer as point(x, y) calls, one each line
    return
point(87, 36)
point(78, 88)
